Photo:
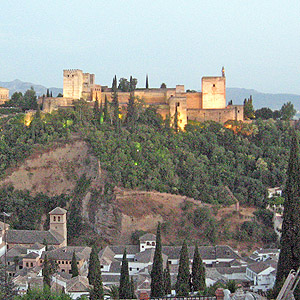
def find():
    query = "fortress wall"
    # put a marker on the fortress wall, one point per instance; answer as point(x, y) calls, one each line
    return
point(235, 112)
point(213, 93)
point(194, 100)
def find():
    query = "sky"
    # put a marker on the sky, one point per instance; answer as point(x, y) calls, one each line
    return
point(176, 42)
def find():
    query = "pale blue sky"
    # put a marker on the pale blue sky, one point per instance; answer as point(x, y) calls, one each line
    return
point(176, 42)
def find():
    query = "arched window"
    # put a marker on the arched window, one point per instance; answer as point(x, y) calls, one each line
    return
point(54, 218)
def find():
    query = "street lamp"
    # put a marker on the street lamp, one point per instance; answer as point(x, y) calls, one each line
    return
point(5, 215)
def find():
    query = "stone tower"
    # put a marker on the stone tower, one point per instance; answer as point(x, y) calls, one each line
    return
point(73, 84)
point(58, 223)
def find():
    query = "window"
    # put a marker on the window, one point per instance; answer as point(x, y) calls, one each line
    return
point(101, 266)
point(130, 269)
point(58, 219)
point(31, 264)
point(63, 270)
point(143, 246)
point(214, 85)
point(153, 243)
point(27, 264)
point(78, 263)
point(59, 262)
point(148, 243)
point(54, 218)
point(137, 269)
point(63, 262)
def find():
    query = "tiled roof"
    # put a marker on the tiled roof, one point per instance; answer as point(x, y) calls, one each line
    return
point(37, 246)
point(58, 211)
point(78, 284)
point(66, 253)
point(33, 236)
point(258, 267)
point(111, 278)
point(145, 256)
point(115, 267)
point(148, 237)
point(130, 249)
point(31, 255)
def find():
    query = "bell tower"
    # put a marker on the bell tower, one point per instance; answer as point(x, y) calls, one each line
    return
point(58, 223)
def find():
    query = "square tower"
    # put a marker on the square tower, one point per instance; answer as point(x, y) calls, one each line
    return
point(58, 223)
point(213, 92)
point(73, 84)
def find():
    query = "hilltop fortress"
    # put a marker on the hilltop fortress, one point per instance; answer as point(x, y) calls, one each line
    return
point(209, 104)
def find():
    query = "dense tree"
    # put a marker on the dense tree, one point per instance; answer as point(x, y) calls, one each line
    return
point(198, 272)
point(157, 288)
point(163, 86)
point(287, 111)
point(30, 100)
point(124, 288)
point(7, 288)
point(46, 294)
point(289, 257)
point(264, 113)
point(167, 280)
point(74, 266)
point(94, 276)
point(248, 109)
point(46, 272)
point(182, 286)
point(59, 95)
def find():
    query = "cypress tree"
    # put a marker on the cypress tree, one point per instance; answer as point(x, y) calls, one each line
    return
point(105, 111)
point(96, 111)
point(115, 104)
point(198, 272)
point(101, 113)
point(51, 94)
point(131, 114)
point(74, 267)
point(182, 285)
point(167, 280)
point(48, 95)
point(94, 276)
point(157, 289)
point(147, 82)
point(132, 294)
point(46, 272)
point(289, 257)
point(176, 119)
point(124, 289)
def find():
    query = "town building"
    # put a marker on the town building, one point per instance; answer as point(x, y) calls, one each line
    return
point(55, 236)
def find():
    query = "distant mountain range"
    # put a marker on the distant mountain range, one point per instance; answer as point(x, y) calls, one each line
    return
point(21, 86)
point(237, 95)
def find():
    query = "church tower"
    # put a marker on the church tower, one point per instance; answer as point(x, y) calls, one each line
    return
point(58, 223)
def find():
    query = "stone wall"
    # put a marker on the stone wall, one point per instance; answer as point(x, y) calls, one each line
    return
point(194, 100)
point(232, 112)
point(73, 84)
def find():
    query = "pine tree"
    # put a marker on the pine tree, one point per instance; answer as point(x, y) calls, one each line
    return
point(289, 257)
point(46, 272)
point(124, 289)
point(167, 280)
point(182, 285)
point(198, 272)
point(74, 267)
point(157, 289)
point(105, 111)
point(94, 276)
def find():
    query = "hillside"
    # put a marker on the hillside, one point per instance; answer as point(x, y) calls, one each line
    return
point(57, 170)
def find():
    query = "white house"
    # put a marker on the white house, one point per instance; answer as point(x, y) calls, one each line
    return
point(262, 276)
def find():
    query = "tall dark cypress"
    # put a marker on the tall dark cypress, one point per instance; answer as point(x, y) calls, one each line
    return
point(96, 110)
point(167, 280)
point(157, 288)
point(94, 276)
point(46, 272)
point(130, 119)
point(74, 267)
point(147, 82)
point(182, 285)
point(105, 111)
point(115, 104)
point(176, 119)
point(125, 288)
point(289, 257)
point(198, 272)
point(132, 294)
